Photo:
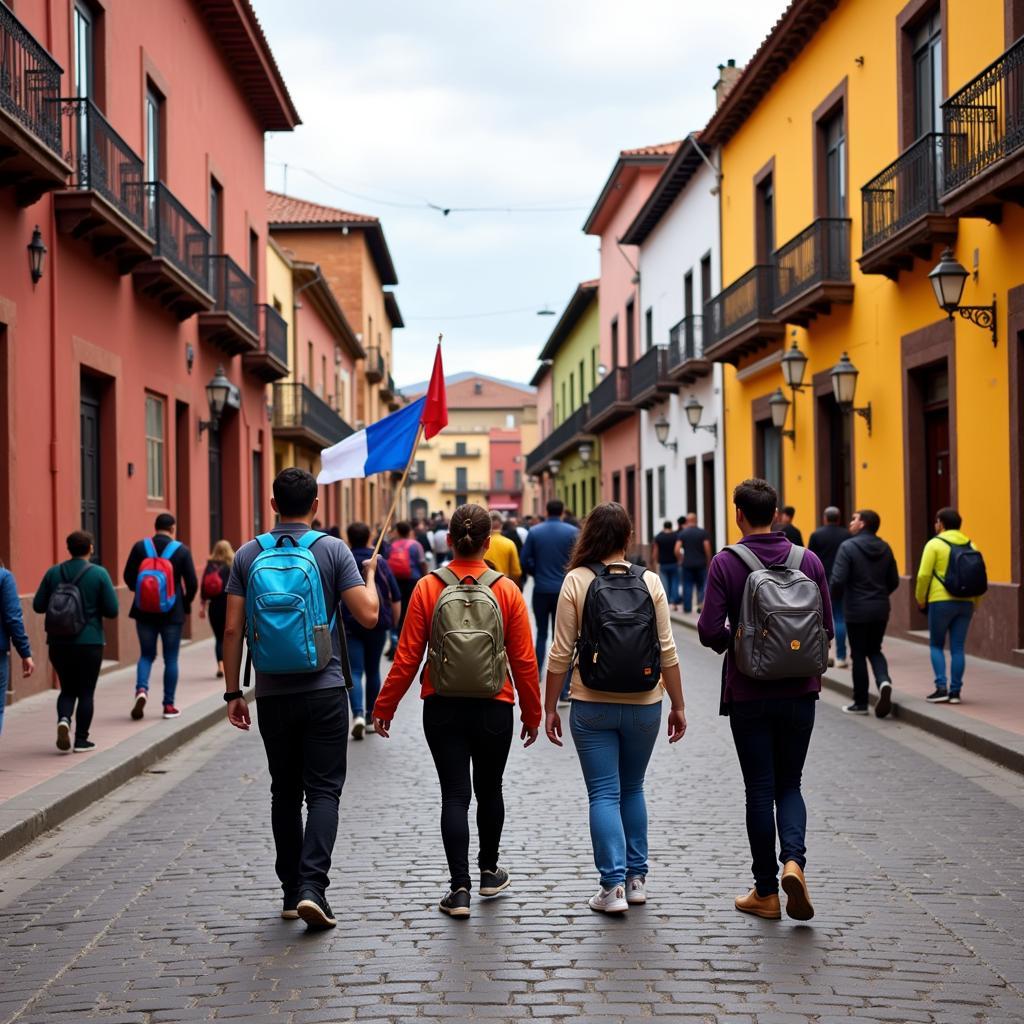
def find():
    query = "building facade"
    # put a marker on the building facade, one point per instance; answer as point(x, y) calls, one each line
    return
point(147, 194)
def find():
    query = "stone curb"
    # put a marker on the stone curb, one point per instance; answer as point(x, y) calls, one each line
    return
point(999, 745)
point(44, 807)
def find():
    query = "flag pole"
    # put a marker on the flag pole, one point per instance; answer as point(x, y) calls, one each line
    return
point(398, 490)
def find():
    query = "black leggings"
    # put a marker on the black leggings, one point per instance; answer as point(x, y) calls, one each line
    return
point(217, 610)
point(77, 667)
point(463, 731)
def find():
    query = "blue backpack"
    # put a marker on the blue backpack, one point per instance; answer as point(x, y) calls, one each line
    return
point(287, 628)
point(965, 573)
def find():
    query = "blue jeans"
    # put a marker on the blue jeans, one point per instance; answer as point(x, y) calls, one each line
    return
point(839, 622)
point(693, 578)
point(771, 738)
point(614, 743)
point(544, 606)
point(364, 654)
point(670, 581)
point(954, 618)
point(170, 639)
point(5, 672)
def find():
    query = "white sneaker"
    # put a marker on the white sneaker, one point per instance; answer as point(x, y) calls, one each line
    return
point(358, 727)
point(843, 663)
point(370, 727)
point(610, 901)
point(636, 890)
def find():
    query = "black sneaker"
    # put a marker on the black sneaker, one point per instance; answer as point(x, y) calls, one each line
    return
point(289, 909)
point(938, 696)
point(884, 705)
point(83, 746)
point(856, 709)
point(455, 904)
point(492, 882)
point(954, 698)
point(315, 911)
point(64, 735)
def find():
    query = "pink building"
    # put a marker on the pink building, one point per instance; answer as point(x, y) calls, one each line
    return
point(625, 330)
point(506, 483)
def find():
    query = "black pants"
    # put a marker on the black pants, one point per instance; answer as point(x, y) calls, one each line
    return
point(866, 645)
point(405, 588)
point(217, 610)
point(463, 732)
point(771, 738)
point(77, 667)
point(306, 738)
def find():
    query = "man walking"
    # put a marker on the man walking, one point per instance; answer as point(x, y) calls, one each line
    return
point(863, 577)
point(694, 551)
point(664, 561)
point(792, 534)
point(303, 717)
point(405, 559)
point(162, 575)
point(503, 555)
point(825, 543)
point(947, 613)
point(771, 720)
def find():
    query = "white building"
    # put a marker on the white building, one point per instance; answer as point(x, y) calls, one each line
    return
point(677, 232)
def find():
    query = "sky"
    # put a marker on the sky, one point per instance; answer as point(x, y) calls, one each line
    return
point(520, 108)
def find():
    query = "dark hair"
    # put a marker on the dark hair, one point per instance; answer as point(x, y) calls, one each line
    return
point(949, 517)
point(555, 507)
point(870, 518)
point(79, 542)
point(832, 514)
point(164, 521)
point(334, 531)
point(681, 521)
point(358, 535)
point(667, 525)
point(788, 510)
point(606, 530)
point(402, 528)
point(470, 526)
point(294, 491)
point(757, 500)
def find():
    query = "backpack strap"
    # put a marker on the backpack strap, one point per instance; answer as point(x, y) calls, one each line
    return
point(266, 541)
point(746, 556)
point(309, 538)
point(489, 578)
point(168, 551)
point(597, 568)
point(81, 572)
point(795, 557)
point(149, 547)
point(446, 576)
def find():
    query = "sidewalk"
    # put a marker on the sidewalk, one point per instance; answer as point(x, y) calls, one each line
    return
point(40, 786)
point(989, 722)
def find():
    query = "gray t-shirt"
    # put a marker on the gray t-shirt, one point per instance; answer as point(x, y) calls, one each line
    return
point(338, 572)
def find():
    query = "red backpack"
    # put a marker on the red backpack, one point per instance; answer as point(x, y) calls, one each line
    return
point(154, 586)
point(213, 582)
point(400, 559)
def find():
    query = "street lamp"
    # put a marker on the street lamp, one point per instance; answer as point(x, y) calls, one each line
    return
point(844, 387)
point(217, 392)
point(602, 370)
point(585, 450)
point(36, 255)
point(694, 410)
point(778, 406)
point(948, 278)
point(661, 429)
point(553, 466)
point(793, 365)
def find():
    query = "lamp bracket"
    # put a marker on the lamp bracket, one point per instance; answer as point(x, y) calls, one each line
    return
point(212, 425)
point(981, 316)
point(711, 427)
point(791, 434)
point(672, 445)
point(865, 413)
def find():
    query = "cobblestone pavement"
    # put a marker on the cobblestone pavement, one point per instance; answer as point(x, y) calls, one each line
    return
point(161, 905)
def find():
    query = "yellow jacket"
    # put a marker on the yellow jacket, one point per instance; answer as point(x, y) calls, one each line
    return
point(934, 563)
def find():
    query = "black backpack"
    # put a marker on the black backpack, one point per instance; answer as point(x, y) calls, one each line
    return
point(619, 650)
point(965, 573)
point(65, 612)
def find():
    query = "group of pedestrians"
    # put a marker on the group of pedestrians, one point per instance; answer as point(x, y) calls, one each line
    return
point(681, 556)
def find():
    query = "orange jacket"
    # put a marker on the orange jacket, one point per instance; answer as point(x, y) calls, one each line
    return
point(412, 645)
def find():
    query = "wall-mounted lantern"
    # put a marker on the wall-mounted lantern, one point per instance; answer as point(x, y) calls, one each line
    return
point(36, 255)
point(844, 387)
point(661, 429)
point(694, 410)
point(948, 278)
point(218, 390)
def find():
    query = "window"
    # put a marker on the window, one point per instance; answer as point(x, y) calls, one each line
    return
point(615, 342)
point(926, 57)
point(323, 376)
point(833, 139)
point(154, 133)
point(572, 394)
point(309, 364)
point(593, 368)
point(705, 280)
point(84, 42)
point(461, 481)
point(478, 388)
point(630, 333)
point(155, 448)
point(662, 495)
point(562, 413)
point(765, 213)
point(617, 487)
point(688, 294)
point(510, 421)
point(593, 491)
point(421, 470)
point(649, 327)
point(254, 258)
point(499, 479)
point(257, 493)
point(517, 477)
point(582, 387)
point(460, 447)
point(216, 217)
point(768, 454)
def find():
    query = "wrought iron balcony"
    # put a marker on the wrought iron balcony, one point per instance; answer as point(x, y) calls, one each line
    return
point(686, 362)
point(740, 319)
point(374, 365)
point(231, 324)
point(649, 380)
point(902, 214)
point(813, 271)
point(178, 275)
point(426, 478)
point(467, 453)
point(31, 155)
point(270, 361)
point(566, 437)
point(609, 402)
point(387, 386)
point(303, 416)
point(984, 127)
point(106, 202)
point(465, 487)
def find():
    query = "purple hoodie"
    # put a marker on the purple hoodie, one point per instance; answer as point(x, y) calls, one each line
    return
point(726, 579)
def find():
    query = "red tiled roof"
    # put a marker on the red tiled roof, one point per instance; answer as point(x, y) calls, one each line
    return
point(283, 209)
point(661, 149)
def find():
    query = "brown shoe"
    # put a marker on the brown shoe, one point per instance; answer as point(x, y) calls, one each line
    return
point(760, 906)
point(798, 902)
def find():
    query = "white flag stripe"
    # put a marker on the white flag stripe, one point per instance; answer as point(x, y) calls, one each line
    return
point(345, 460)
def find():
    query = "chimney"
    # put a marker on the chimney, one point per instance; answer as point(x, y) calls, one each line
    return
point(728, 76)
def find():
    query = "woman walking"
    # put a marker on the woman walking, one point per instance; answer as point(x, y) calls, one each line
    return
point(612, 628)
point(474, 619)
point(213, 596)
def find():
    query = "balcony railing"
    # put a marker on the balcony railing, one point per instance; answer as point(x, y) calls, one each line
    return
point(233, 290)
point(609, 401)
point(296, 408)
point(649, 376)
point(374, 364)
point(562, 439)
point(819, 254)
point(907, 190)
point(984, 121)
point(29, 82)
point(274, 332)
point(180, 238)
point(464, 487)
point(685, 341)
point(747, 300)
point(102, 161)
point(466, 453)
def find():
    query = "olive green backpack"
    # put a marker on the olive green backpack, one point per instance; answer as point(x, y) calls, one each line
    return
point(467, 637)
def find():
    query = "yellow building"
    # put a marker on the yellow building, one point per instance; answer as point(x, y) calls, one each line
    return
point(863, 138)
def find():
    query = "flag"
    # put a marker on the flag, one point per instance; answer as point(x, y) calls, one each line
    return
point(383, 447)
point(435, 414)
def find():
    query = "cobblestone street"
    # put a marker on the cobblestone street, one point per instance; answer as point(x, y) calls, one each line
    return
point(161, 904)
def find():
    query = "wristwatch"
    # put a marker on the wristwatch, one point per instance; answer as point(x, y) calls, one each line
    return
point(233, 695)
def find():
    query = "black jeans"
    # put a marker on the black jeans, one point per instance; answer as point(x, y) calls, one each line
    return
point(77, 667)
point(306, 738)
point(544, 608)
point(771, 738)
point(866, 645)
point(464, 731)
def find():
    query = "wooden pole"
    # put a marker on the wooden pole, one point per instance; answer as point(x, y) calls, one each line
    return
point(398, 490)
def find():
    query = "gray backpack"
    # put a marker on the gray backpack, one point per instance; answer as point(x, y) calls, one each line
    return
point(65, 611)
point(467, 637)
point(781, 632)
